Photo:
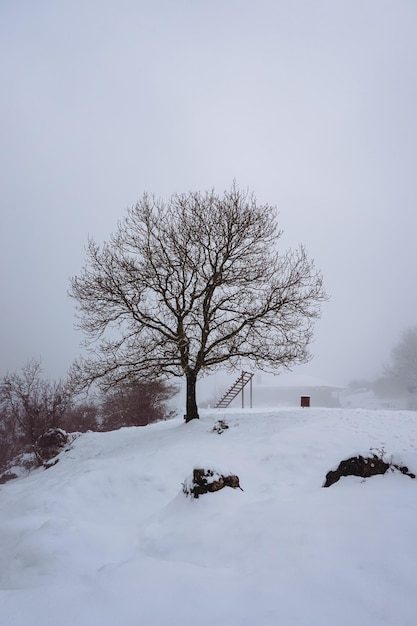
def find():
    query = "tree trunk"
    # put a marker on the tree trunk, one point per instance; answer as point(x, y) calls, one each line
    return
point(191, 401)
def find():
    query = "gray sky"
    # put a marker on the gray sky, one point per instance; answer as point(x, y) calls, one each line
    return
point(312, 105)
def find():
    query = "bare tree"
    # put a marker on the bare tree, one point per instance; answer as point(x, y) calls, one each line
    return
point(403, 368)
point(188, 286)
point(31, 403)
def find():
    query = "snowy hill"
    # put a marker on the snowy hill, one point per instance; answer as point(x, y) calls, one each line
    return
point(107, 537)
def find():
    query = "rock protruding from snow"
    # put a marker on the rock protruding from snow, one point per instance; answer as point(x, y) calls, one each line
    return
point(364, 467)
point(51, 443)
point(208, 480)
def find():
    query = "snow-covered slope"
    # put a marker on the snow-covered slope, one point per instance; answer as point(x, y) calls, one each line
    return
point(107, 537)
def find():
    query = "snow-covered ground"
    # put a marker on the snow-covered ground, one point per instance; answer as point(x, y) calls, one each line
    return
point(107, 537)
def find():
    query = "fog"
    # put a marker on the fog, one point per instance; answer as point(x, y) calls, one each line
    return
point(311, 105)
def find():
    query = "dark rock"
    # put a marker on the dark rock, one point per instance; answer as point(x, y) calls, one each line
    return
point(232, 481)
point(362, 466)
point(208, 480)
point(404, 470)
point(6, 476)
point(51, 443)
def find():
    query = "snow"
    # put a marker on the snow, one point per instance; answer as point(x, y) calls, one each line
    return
point(107, 537)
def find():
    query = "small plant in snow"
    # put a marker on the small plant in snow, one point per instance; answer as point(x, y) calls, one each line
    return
point(379, 453)
point(220, 426)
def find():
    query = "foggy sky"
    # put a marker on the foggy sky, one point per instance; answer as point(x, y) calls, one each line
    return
point(312, 105)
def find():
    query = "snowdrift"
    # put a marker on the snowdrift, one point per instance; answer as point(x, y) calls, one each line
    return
point(107, 536)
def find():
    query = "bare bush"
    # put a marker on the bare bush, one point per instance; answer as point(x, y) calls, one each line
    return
point(136, 405)
point(81, 417)
point(29, 406)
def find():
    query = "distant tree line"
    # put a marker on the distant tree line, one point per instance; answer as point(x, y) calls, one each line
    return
point(30, 405)
point(399, 377)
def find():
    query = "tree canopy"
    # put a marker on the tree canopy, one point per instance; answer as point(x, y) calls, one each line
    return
point(190, 285)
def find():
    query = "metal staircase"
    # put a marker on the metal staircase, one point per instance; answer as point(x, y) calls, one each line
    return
point(237, 388)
